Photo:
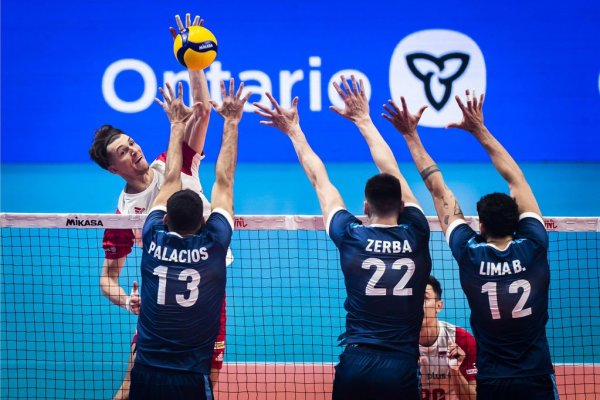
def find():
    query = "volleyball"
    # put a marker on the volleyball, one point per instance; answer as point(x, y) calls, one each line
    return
point(195, 47)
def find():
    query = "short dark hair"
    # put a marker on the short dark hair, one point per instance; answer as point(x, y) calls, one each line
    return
point(436, 286)
point(384, 194)
point(499, 213)
point(104, 136)
point(184, 211)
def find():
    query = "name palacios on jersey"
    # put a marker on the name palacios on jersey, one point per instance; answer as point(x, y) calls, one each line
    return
point(177, 255)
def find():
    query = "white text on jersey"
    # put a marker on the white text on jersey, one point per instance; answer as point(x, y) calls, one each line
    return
point(501, 268)
point(181, 256)
point(388, 247)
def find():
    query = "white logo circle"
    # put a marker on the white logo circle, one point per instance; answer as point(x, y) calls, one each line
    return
point(431, 67)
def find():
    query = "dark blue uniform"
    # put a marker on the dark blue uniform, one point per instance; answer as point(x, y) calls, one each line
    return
point(385, 271)
point(507, 291)
point(183, 285)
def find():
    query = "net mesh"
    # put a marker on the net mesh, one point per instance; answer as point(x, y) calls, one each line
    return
point(61, 339)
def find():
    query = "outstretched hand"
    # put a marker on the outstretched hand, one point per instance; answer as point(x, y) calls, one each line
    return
point(280, 118)
point(173, 105)
point(188, 23)
point(472, 113)
point(355, 100)
point(232, 107)
point(403, 120)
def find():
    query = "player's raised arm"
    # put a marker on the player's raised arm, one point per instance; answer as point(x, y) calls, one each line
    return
point(445, 203)
point(357, 110)
point(288, 122)
point(507, 167)
point(178, 115)
point(231, 110)
point(196, 127)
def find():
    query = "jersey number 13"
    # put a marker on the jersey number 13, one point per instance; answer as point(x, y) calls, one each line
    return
point(192, 286)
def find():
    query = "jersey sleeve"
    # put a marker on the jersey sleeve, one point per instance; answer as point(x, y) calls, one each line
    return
point(458, 234)
point(466, 341)
point(531, 226)
point(191, 160)
point(117, 243)
point(154, 219)
point(414, 216)
point(220, 226)
point(338, 223)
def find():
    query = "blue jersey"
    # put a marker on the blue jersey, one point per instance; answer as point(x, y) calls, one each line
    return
point(183, 285)
point(507, 291)
point(385, 271)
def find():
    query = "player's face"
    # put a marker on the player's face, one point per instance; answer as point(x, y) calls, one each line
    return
point(431, 306)
point(126, 157)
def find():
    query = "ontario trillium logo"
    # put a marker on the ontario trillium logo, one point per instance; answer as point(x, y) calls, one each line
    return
point(431, 67)
point(437, 74)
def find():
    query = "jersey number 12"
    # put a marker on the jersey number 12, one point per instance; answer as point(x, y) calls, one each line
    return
point(518, 312)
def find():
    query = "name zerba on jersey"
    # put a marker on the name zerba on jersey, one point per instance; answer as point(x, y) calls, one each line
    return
point(388, 246)
point(182, 256)
point(500, 268)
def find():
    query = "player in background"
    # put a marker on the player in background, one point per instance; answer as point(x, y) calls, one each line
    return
point(385, 267)
point(504, 270)
point(183, 266)
point(115, 151)
point(448, 353)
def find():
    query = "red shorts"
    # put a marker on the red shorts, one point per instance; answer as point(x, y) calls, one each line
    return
point(219, 350)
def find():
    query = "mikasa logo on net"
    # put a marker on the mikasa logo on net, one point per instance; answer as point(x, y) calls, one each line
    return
point(431, 67)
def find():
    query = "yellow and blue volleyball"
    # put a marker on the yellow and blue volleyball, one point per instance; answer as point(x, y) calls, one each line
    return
point(195, 47)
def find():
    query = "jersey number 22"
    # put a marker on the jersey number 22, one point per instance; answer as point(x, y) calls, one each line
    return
point(400, 289)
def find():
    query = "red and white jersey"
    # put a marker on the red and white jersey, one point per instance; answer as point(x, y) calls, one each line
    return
point(435, 364)
point(117, 243)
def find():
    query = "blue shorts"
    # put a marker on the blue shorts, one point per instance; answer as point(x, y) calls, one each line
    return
point(370, 373)
point(542, 387)
point(148, 383)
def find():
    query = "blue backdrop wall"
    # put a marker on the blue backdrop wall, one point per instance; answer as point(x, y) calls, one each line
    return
point(71, 66)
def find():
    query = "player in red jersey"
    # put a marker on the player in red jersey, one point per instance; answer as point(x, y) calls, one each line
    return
point(118, 153)
point(447, 353)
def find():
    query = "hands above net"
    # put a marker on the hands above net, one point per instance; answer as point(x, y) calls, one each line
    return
point(188, 23)
point(355, 100)
point(472, 113)
point(284, 120)
point(232, 107)
point(403, 120)
point(174, 106)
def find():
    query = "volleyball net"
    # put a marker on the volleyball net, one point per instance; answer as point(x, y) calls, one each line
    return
point(61, 339)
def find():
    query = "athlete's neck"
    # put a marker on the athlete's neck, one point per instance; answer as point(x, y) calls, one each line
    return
point(376, 220)
point(139, 183)
point(429, 333)
point(500, 242)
